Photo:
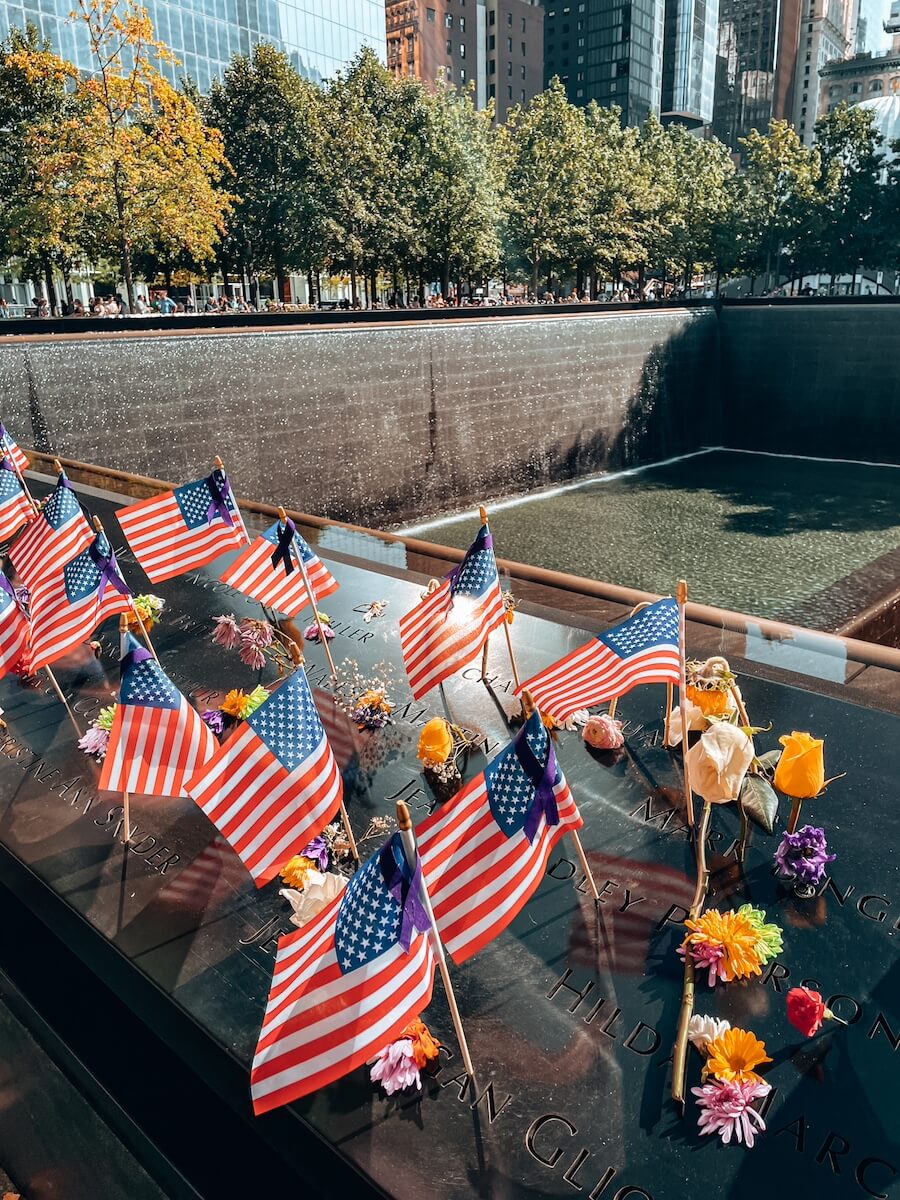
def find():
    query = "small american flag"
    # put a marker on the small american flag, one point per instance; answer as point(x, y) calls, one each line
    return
point(15, 628)
point(484, 852)
point(266, 571)
point(53, 538)
point(8, 446)
point(274, 784)
point(67, 606)
point(346, 984)
point(16, 509)
point(184, 529)
point(157, 739)
point(449, 627)
point(643, 649)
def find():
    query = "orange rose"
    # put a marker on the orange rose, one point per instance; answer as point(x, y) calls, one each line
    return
point(801, 769)
point(710, 701)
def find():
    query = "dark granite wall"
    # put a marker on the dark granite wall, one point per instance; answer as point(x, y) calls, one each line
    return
point(382, 424)
point(812, 379)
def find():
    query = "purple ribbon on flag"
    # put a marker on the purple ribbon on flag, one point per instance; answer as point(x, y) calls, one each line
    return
point(220, 490)
point(543, 777)
point(63, 482)
point(109, 571)
point(282, 552)
point(133, 657)
point(405, 885)
point(5, 464)
point(484, 541)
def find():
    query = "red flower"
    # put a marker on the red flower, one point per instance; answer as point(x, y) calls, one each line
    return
point(805, 1010)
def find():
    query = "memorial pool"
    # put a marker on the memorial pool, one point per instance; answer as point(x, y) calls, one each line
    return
point(798, 539)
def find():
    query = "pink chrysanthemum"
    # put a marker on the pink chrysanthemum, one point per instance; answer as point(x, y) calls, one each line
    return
point(227, 633)
point(707, 956)
point(395, 1067)
point(727, 1109)
point(95, 741)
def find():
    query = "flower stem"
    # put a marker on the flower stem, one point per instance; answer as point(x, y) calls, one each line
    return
point(745, 829)
point(795, 814)
point(679, 1054)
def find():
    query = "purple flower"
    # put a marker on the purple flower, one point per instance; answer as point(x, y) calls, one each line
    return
point(94, 741)
point(258, 632)
point(215, 719)
point(311, 632)
point(726, 1109)
point(708, 957)
point(395, 1067)
point(803, 855)
point(317, 850)
point(227, 633)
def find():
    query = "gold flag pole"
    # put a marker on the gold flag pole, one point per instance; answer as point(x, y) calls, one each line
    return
point(126, 797)
point(220, 466)
point(681, 593)
point(310, 594)
point(21, 478)
point(404, 824)
point(98, 525)
point(529, 707)
point(483, 514)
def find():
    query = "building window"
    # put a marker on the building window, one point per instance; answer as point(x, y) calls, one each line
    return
point(876, 86)
point(509, 92)
point(835, 90)
point(462, 49)
point(492, 17)
point(429, 15)
point(462, 24)
point(523, 24)
point(492, 90)
point(524, 49)
point(509, 45)
point(802, 112)
point(806, 70)
point(449, 46)
point(462, 74)
point(522, 69)
point(509, 18)
point(492, 42)
point(509, 68)
point(492, 66)
point(448, 20)
point(855, 89)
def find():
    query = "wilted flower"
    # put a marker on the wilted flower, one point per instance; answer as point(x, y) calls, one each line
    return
point(727, 1109)
point(259, 632)
point(105, 717)
point(435, 742)
point(318, 891)
point(702, 1030)
point(234, 702)
point(297, 870)
point(395, 1068)
point(695, 720)
point(317, 852)
point(227, 632)
point(214, 718)
point(803, 855)
point(801, 769)
point(719, 762)
point(603, 732)
point(311, 632)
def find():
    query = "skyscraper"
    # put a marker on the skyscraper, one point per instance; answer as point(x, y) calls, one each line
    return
point(689, 61)
point(756, 66)
point(319, 36)
point(497, 45)
point(825, 35)
point(610, 51)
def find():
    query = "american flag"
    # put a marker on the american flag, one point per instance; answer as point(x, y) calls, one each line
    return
point(53, 538)
point(449, 627)
point(15, 507)
point(643, 649)
point(261, 572)
point(346, 984)
point(9, 447)
point(274, 784)
point(157, 739)
point(15, 628)
point(67, 606)
point(184, 529)
point(484, 852)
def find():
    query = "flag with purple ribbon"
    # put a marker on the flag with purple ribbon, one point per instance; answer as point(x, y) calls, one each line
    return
point(15, 629)
point(450, 625)
point(16, 509)
point(484, 852)
point(347, 983)
point(9, 447)
point(274, 785)
point(67, 606)
point(184, 529)
point(53, 538)
point(267, 571)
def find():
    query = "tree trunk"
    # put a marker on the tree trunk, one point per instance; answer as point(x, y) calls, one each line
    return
point(354, 294)
point(535, 278)
point(312, 290)
point(373, 288)
point(48, 283)
point(167, 275)
point(445, 279)
point(67, 284)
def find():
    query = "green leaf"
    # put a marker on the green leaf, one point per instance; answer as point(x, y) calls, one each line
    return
point(769, 760)
point(760, 801)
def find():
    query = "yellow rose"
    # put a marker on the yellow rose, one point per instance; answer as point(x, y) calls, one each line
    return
point(801, 769)
point(719, 762)
point(435, 742)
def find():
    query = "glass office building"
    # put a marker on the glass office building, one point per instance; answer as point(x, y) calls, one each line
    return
point(320, 36)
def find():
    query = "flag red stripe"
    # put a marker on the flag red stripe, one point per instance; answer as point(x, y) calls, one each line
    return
point(162, 543)
point(252, 574)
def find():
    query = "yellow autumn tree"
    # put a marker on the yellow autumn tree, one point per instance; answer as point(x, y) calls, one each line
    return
point(155, 167)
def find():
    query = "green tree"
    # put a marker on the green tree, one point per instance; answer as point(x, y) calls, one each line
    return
point(271, 122)
point(702, 172)
point(547, 163)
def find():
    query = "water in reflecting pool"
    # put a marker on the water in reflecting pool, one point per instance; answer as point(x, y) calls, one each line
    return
point(799, 539)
